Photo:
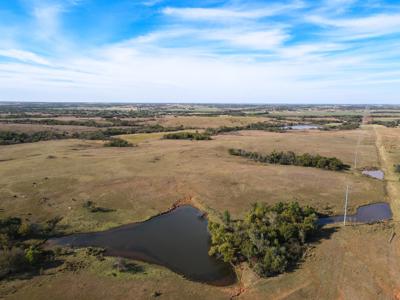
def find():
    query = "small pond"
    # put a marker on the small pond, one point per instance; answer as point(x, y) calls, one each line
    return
point(378, 174)
point(365, 214)
point(178, 240)
point(302, 127)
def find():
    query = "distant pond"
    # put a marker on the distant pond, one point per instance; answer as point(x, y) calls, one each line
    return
point(302, 127)
point(377, 174)
point(365, 214)
point(178, 240)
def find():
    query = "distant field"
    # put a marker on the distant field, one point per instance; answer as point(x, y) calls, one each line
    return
point(29, 128)
point(42, 180)
point(141, 137)
point(206, 121)
point(319, 112)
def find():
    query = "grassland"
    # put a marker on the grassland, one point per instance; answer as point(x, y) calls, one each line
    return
point(55, 178)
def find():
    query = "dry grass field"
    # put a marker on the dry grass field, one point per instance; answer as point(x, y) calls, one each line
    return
point(29, 128)
point(54, 178)
point(206, 121)
point(142, 181)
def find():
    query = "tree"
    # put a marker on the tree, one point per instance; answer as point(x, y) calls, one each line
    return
point(269, 238)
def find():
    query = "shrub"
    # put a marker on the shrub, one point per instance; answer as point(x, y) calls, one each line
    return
point(33, 255)
point(24, 230)
point(117, 142)
point(397, 168)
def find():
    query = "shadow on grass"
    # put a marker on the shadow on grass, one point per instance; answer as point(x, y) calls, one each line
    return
point(32, 272)
point(124, 266)
point(322, 233)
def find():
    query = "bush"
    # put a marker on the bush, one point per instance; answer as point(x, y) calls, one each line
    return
point(116, 142)
point(33, 255)
point(269, 238)
point(25, 230)
point(397, 168)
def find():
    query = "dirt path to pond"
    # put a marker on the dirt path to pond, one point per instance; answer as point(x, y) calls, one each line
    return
point(388, 143)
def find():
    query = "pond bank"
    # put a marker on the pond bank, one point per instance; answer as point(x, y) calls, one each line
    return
point(177, 239)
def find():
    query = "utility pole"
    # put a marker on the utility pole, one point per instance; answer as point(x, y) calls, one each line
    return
point(345, 206)
point(355, 160)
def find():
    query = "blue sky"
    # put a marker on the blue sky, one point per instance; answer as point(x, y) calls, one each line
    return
point(328, 51)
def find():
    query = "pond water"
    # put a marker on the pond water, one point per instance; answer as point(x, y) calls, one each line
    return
point(178, 240)
point(302, 127)
point(378, 174)
point(365, 214)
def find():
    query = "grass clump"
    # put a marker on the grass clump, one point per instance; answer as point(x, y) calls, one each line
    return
point(269, 238)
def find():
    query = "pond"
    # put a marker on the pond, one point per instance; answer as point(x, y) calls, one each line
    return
point(378, 174)
point(178, 240)
point(365, 214)
point(302, 127)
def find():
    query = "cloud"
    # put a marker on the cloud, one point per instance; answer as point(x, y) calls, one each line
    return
point(232, 37)
point(152, 2)
point(229, 13)
point(238, 52)
point(24, 56)
point(47, 18)
point(251, 39)
point(361, 27)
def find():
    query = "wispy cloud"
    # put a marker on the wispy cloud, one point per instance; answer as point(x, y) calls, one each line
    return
point(231, 12)
point(360, 27)
point(24, 56)
point(235, 51)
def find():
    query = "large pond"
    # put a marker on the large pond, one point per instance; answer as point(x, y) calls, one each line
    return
point(365, 214)
point(178, 240)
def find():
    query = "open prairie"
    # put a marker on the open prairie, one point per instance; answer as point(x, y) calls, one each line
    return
point(46, 179)
point(142, 181)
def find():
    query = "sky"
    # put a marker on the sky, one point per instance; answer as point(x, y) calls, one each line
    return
point(295, 51)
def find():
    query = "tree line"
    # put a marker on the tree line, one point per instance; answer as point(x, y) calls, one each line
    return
point(187, 136)
point(273, 127)
point(392, 124)
point(109, 122)
point(12, 137)
point(270, 238)
point(291, 158)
